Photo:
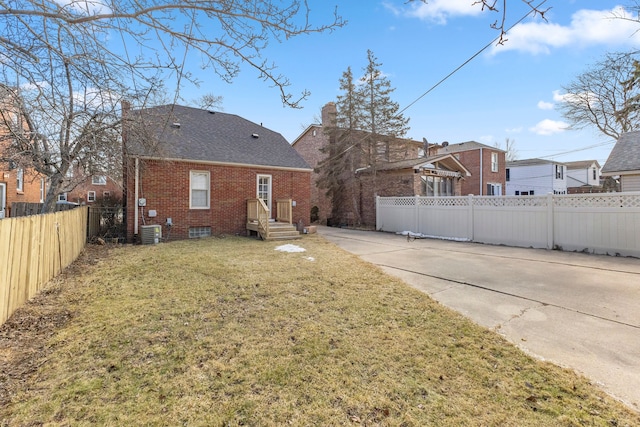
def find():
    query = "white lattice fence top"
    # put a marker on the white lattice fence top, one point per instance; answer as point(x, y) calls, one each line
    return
point(443, 201)
point(510, 201)
point(604, 200)
point(397, 201)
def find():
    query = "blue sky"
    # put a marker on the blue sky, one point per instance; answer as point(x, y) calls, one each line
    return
point(507, 91)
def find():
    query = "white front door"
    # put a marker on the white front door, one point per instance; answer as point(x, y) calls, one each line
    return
point(264, 191)
point(3, 199)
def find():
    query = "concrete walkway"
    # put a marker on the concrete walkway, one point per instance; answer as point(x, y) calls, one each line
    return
point(577, 310)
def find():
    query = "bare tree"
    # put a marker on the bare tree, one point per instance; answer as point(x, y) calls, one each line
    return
point(69, 64)
point(510, 149)
point(605, 96)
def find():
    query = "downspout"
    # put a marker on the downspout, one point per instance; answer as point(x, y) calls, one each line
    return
point(481, 170)
point(135, 201)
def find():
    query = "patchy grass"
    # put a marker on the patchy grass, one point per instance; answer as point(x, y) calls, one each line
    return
point(232, 332)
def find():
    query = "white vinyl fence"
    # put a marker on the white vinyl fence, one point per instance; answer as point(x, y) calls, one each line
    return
point(604, 223)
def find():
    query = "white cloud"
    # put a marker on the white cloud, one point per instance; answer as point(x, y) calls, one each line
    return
point(437, 10)
point(88, 7)
point(587, 28)
point(545, 105)
point(549, 127)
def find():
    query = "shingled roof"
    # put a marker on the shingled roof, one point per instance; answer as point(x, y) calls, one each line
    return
point(187, 133)
point(625, 156)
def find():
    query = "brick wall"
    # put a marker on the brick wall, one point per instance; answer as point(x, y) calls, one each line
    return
point(80, 193)
point(30, 190)
point(471, 160)
point(165, 186)
point(308, 145)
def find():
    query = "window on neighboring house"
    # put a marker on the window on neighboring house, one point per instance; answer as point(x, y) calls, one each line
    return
point(508, 173)
point(559, 172)
point(594, 174)
point(42, 190)
point(91, 196)
point(494, 189)
point(437, 186)
point(106, 194)
point(199, 185)
point(20, 179)
point(99, 180)
point(62, 197)
point(494, 162)
point(382, 150)
point(517, 193)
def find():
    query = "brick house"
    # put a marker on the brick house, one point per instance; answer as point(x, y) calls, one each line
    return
point(427, 176)
point(404, 171)
point(93, 189)
point(194, 172)
point(17, 182)
point(486, 164)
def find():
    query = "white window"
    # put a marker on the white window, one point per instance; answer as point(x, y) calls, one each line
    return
point(199, 186)
point(559, 171)
point(62, 197)
point(91, 196)
point(99, 180)
point(494, 162)
point(42, 189)
point(20, 179)
point(494, 189)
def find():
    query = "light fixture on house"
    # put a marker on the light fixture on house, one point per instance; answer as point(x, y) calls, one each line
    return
point(255, 135)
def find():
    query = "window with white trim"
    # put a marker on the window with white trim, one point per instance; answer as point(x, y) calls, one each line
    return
point(42, 190)
point(99, 180)
point(91, 196)
point(20, 179)
point(494, 189)
point(62, 197)
point(199, 195)
point(494, 162)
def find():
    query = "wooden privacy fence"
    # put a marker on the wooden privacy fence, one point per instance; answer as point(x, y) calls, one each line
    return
point(604, 223)
point(33, 250)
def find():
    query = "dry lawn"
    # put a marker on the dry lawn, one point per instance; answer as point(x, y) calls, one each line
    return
point(230, 331)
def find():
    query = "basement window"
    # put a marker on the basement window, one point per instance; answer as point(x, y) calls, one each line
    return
point(196, 232)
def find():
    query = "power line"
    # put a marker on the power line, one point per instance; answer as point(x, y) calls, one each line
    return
point(488, 45)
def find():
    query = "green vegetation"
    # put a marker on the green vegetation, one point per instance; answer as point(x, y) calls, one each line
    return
point(232, 332)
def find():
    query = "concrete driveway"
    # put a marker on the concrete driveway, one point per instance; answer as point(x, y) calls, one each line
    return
point(577, 310)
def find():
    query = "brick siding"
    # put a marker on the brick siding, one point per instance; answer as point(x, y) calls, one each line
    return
point(165, 186)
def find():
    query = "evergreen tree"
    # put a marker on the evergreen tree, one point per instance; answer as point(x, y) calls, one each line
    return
point(337, 171)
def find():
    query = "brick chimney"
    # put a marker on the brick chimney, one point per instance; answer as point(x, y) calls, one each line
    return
point(329, 112)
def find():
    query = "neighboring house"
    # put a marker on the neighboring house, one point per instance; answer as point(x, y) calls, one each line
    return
point(536, 177)
point(583, 177)
point(486, 165)
point(429, 177)
point(358, 202)
point(93, 189)
point(195, 172)
point(17, 183)
point(624, 161)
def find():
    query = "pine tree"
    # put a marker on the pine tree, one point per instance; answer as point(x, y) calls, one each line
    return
point(337, 171)
point(383, 122)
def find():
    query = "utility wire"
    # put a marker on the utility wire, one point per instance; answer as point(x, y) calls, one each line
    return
point(488, 45)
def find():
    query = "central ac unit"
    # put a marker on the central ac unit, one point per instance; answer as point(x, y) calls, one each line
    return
point(150, 234)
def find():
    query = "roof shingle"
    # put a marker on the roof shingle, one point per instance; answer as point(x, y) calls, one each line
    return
point(186, 133)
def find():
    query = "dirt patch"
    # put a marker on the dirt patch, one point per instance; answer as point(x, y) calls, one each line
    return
point(25, 335)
